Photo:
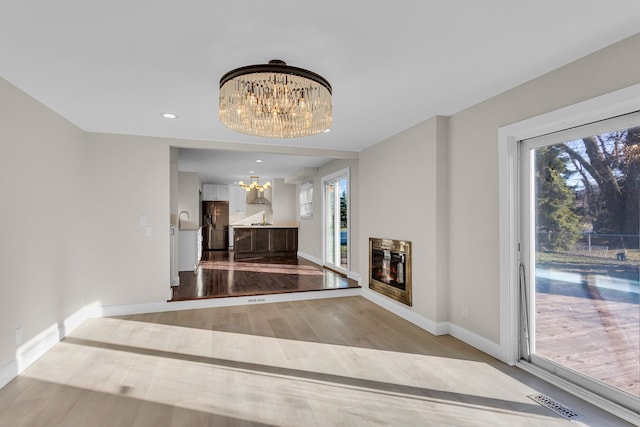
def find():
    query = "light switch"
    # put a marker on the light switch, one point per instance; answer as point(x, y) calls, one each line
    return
point(143, 220)
point(148, 231)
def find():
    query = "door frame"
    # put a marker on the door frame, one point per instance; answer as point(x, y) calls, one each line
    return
point(613, 104)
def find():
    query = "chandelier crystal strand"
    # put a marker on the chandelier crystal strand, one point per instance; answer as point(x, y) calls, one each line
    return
point(277, 103)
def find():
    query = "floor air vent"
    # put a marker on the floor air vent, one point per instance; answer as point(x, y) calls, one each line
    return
point(554, 406)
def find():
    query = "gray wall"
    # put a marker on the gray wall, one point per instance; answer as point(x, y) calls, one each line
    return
point(403, 196)
point(455, 209)
point(45, 240)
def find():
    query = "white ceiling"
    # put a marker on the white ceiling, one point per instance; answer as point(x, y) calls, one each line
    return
point(115, 66)
point(227, 167)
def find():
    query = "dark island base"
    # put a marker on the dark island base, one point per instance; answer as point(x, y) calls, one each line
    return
point(255, 242)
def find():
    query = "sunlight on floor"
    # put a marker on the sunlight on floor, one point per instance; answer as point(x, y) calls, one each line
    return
point(254, 377)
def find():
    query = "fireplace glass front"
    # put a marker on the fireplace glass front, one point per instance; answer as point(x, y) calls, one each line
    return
point(390, 268)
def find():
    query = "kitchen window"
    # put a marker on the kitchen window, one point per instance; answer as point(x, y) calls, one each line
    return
point(305, 198)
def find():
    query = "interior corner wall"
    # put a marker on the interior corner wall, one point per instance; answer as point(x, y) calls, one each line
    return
point(401, 186)
point(43, 219)
point(442, 219)
point(473, 158)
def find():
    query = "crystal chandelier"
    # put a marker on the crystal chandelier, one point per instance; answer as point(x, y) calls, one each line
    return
point(275, 100)
point(255, 184)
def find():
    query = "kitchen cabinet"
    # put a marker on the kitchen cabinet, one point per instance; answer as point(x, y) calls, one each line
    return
point(263, 241)
point(237, 200)
point(285, 240)
point(215, 192)
point(188, 249)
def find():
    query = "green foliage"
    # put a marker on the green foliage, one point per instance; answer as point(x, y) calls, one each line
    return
point(343, 209)
point(557, 223)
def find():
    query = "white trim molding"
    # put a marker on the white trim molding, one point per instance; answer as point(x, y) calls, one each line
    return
point(8, 373)
point(311, 258)
point(435, 328)
point(34, 348)
point(405, 312)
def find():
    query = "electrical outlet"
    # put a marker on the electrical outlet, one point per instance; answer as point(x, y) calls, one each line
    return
point(465, 310)
point(18, 335)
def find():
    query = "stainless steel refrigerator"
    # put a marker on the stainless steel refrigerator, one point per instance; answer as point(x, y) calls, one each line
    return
point(215, 225)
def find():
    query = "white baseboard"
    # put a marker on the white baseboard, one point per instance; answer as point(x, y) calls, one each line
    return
point(8, 373)
point(34, 348)
point(403, 311)
point(474, 340)
point(436, 328)
point(351, 274)
point(310, 258)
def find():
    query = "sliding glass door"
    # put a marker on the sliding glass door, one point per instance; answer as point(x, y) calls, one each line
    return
point(580, 240)
point(336, 220)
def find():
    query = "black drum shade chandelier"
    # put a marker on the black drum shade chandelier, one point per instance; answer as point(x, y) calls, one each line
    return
point(275, 100)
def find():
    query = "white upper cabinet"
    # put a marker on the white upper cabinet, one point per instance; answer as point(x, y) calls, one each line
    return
point(237, 200)
point(215, 192)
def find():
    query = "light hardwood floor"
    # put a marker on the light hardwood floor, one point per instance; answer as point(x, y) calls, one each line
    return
point(327, 362)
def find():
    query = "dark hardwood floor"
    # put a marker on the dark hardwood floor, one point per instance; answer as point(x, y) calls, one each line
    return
point(218, 276)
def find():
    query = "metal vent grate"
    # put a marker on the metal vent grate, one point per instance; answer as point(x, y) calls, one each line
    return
point(554, 406)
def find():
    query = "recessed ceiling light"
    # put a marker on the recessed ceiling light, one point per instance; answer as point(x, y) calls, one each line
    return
point(252, 171)
point(170, 116)
point(258, 161)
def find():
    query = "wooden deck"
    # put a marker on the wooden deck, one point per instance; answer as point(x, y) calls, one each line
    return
point(597, 337)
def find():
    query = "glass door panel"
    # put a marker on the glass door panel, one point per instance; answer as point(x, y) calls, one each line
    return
point(330, 222)
point(343, 220)
point(581, 252)
point(336, 221)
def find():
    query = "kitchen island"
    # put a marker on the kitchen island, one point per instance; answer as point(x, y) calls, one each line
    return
point(265, 241)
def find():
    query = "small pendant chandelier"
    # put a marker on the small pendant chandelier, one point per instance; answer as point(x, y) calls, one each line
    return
point(275, 100)
point(254, 184)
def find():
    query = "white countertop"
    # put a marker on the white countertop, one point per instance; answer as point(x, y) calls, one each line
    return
point(264, 226)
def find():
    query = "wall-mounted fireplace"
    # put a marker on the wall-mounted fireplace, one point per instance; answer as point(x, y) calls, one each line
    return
point(390, 268)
